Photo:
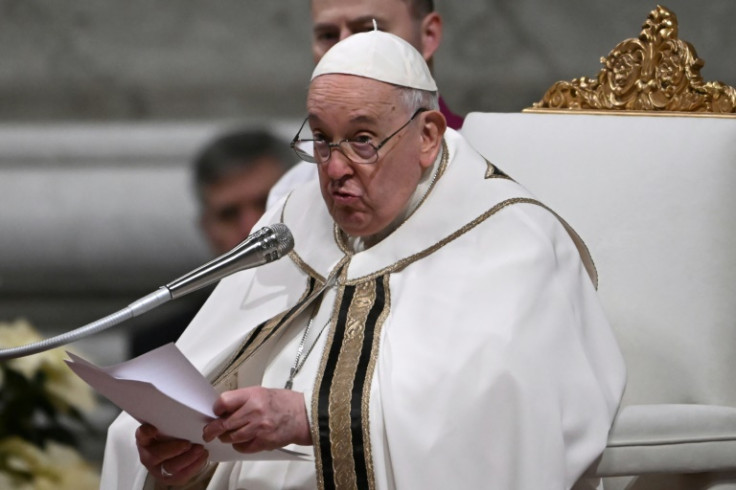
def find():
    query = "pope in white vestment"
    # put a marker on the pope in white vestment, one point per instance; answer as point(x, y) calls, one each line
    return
point(461, 347)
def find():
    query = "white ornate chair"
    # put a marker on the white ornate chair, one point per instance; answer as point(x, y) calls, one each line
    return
point(642, 162)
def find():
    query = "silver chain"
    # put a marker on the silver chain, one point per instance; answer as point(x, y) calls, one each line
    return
point(299, 361)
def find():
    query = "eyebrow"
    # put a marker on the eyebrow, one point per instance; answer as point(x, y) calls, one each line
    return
point(362, 118)
point(365, 19)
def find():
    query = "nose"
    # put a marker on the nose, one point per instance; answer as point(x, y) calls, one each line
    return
point(337, 166)
point(345, 32)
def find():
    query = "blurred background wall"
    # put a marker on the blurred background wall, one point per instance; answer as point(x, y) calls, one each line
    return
point(103, 103)
point(140, 60)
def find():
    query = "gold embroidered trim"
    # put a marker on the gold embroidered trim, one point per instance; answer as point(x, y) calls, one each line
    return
point(304, 267)
point(318, 381)
point(220, 375)
point(230, 367)
point(493, 172)
point(656, 72)
point(366, 398)
point(349, 366)
point(440, 172)
point(401, 264)
point(298, 261)
point(593, 112)
point(339, 238)
point(341, 390)
point(585, 256)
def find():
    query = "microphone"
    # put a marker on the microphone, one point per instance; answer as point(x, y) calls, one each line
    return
point(266, 245)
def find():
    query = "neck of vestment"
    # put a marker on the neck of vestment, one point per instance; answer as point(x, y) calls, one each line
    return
point(459, 200)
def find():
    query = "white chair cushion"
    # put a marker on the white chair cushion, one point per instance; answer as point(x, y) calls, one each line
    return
point(665, 438)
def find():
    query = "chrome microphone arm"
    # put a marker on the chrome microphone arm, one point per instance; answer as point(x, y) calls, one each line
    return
point(265, 245)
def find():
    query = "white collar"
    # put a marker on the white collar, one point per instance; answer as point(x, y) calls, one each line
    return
point(461, 196)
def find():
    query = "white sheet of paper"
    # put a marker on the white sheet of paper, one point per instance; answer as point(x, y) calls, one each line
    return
point(164, 389)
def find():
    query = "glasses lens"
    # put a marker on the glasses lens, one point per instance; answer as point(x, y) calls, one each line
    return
point(362, 152)
point(322, 150)
point(305, 150)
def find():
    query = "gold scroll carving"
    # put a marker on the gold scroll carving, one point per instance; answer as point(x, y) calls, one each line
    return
point(656, 72)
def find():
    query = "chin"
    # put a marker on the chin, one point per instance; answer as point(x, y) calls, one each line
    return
point(353, 227)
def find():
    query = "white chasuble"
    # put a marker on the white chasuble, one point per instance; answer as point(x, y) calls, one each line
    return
point(467, 349)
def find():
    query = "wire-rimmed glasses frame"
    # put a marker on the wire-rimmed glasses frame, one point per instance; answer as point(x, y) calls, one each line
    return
point(357, 150)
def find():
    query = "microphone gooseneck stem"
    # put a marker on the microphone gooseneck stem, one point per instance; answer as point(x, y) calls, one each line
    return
point(156, 298)
point(267, 244)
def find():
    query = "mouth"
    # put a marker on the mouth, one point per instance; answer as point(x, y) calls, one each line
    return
point(341, 196)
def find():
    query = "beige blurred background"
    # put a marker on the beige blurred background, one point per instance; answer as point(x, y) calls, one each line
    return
point(140, 60)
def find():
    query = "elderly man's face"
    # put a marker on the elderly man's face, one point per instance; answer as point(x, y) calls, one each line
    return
point(365, 198)
point(334, 20)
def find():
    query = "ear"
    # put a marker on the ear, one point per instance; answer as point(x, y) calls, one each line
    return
point(432, 131)
point(431, 32)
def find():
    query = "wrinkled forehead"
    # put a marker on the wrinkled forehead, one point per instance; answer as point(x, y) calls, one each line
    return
point(347, 92)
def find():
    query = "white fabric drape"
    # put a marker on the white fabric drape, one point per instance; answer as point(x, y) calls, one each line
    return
point(496, 369)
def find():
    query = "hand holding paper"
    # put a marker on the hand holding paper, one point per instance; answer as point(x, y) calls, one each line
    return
point(164, 389)
point(255, 419)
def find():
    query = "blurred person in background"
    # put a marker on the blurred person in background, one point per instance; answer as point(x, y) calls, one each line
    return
point(232, 176)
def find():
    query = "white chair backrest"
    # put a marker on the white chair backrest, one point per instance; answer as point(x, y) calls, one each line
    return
point(654, 198)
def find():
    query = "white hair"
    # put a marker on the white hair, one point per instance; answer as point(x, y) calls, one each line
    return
point(415, 99)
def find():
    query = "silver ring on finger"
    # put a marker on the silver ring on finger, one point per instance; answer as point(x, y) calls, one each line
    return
point(165, 473)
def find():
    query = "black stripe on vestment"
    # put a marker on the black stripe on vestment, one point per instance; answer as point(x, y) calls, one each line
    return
point(256, 331)
point(324, 391)
point(356, 412)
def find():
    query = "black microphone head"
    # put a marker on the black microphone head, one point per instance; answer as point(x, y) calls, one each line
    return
point(284, 239)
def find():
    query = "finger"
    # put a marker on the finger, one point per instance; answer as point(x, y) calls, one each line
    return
point(145, 434)
point(226, 423)
point(181, 469)
point(243, 434)
point(230, 401)
point(254, 446)
point(159, 452)
point(184, 462)
point(213, 430)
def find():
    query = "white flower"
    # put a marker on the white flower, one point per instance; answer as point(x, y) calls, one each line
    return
point(27, 467)
point(19, 333)
point(65, 389)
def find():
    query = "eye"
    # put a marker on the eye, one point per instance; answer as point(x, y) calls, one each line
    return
point(228, 214)
point(327, 36)
point(319, 138)
point(363, 139)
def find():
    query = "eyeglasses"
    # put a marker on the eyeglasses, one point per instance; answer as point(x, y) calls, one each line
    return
point(357, 150)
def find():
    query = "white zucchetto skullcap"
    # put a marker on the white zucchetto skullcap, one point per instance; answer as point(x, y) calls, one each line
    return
point(379, 56)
